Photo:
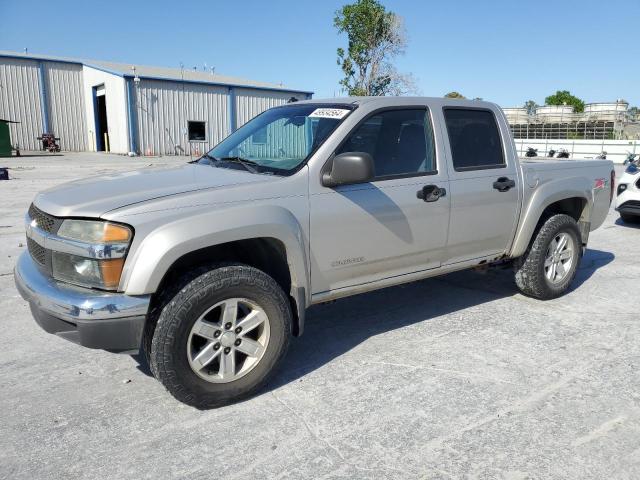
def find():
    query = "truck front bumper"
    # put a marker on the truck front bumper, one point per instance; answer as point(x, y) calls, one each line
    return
point(92, 318)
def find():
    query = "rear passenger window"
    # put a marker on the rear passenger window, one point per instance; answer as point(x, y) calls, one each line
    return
point(400, 142)
point(474, 139)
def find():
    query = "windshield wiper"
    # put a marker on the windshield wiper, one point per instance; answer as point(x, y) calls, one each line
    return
point(249, 165)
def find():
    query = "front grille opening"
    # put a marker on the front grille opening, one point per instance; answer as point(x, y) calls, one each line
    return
point(37, 252)
point(44, 221)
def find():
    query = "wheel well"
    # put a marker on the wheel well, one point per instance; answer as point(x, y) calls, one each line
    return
point(575, 207)
point(266, 254)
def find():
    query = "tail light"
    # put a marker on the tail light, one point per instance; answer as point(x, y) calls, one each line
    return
point(613, 184)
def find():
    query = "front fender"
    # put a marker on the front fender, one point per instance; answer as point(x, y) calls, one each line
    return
point(160, 248)
point(545, 195)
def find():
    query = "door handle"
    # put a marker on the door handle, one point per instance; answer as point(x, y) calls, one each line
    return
point(431, 193)
point(503, 184)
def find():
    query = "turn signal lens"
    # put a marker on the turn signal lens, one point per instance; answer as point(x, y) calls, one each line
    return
point(111, 271)
point(116, 233)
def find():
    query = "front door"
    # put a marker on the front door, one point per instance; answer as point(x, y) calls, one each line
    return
point(485, 196)
point(367, 232)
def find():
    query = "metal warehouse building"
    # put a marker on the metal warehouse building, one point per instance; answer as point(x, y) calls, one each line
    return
point(121, 108)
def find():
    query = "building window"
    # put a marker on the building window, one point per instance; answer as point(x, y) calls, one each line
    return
point(197, 131)
point(260, 136)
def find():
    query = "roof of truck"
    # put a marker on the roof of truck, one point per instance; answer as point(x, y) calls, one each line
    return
point(392, 101)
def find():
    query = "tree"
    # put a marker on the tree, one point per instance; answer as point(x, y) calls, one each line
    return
point(455, 95)
point(375, 37)
point(564, 97)
point(530, 106)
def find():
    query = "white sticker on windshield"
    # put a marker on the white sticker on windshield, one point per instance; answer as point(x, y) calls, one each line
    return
point(336, 113)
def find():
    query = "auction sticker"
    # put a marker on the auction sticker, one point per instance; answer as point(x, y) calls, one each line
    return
point(336, 113)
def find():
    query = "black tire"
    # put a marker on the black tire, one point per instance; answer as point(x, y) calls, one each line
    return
point(626, 218)
point(168, 355)
point(530, 273)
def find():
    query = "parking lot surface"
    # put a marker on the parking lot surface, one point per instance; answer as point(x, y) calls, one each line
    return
point(453, 377)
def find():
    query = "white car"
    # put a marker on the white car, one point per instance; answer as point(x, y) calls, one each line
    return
point(628, 195)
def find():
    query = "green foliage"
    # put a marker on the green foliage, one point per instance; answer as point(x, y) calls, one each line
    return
point(374, 36)
point(454, 95)
point(564, 97)
point(531, 106)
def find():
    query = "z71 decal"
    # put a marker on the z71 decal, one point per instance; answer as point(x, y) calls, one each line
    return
point(600, 183)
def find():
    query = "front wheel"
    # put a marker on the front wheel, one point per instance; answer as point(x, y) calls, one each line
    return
point(221, 336)
point(550, 264)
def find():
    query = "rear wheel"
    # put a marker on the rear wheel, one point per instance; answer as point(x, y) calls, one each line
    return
point(550, 264)
point(221, 337)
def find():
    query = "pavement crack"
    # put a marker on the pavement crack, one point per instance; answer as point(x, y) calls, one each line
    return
point(600, 431)
point(315, 435)
point(444, 370)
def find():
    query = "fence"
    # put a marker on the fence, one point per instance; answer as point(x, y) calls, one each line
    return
point(617, 150)
point(577, 130)
point(593, 124)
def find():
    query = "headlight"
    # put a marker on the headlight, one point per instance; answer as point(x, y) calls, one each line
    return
point(621, 188)
point(97, 270)
point(92, 231)
point(87, 272)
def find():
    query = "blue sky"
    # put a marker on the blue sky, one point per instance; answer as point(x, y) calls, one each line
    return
point(503, 51)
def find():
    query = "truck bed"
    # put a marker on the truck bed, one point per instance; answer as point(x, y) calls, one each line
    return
point(541, 174)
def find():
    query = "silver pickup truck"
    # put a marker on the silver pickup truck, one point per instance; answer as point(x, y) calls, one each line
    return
point(209, 267)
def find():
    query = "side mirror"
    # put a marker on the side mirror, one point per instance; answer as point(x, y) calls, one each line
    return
point(348, 168)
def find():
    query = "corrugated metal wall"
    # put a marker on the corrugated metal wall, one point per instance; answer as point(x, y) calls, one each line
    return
point(20, 101)
point(281, 141)
point(163, 109)
point(250, 103)
point(66, 104)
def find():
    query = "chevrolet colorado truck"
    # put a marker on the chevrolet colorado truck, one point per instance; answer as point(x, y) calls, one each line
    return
point(209, 267)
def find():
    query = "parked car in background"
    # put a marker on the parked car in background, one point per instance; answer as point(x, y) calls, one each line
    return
point(631, 158)
point(628, 194)
point(210, 267)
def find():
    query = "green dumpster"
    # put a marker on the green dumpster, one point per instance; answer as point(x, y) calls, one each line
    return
point(5, 138)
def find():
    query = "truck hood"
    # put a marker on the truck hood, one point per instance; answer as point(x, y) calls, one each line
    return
point(95, 196)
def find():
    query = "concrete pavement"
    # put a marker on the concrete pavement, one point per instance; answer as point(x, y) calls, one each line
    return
point(454, 377)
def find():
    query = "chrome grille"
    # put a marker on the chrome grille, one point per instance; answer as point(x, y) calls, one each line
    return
point(37, 252)
point(46, 222)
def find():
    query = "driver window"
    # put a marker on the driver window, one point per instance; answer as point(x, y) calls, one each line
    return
point(399, 141)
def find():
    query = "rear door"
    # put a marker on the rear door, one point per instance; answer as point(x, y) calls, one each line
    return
point(367, 232)
point(484, 186)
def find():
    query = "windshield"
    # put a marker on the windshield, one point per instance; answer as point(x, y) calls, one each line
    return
point(279, 140)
